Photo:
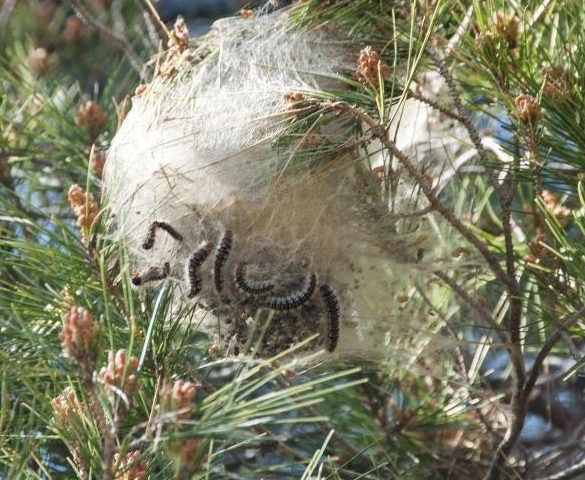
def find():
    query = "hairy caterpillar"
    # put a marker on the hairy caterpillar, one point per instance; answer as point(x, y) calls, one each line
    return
point(150, 236)
point(288, 302)
point(221, 257)
point(195, 261)
point(254, 288)
point(333, 311)
point(152, 274)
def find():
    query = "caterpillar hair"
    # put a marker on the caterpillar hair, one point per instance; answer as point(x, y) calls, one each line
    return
point(294, 300)
point(152, 274)
point(221, 257)
point(333, 311)
point(150, 236)
point(195, 261)
point(253, 288)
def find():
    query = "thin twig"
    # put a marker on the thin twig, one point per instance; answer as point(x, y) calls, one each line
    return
point(459, 354)
point(541, 461)
point(550, 342)
point(464, 119)
point(520, 397)
point(436, 105)
point(118, 39)
point(518, 401)
point(475, 305)
point(427, 189)
point(162, 29)
point(568, 472)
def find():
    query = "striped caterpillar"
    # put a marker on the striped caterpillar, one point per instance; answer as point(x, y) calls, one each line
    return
point(294, 300)
point(195, 261)
point(254, 288)
point(333, 310)
point(221, 257)
point(284, 331)
point(150, 236)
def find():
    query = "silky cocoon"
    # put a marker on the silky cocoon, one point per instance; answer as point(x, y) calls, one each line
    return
point(273, 240)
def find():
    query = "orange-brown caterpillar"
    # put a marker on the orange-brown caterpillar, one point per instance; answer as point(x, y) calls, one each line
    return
point(152, 274)
point(221, 257)
point(333, 310)
point(254, 288)
point(195, 261)
point(288, 302)
point(150, 236)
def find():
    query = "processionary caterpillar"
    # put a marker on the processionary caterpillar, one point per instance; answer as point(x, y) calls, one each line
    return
point(151, 234)
point(195, 261)
point(221, 257)
point(153, 274)
point(333, 310)
point(254, 288)
point(294, 300)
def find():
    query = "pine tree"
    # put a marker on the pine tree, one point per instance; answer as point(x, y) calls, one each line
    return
point(390, 201)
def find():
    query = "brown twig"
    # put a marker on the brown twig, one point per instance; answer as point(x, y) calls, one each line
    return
point(437, 106)
point(118, 39)
point(426, 187)
point(463, 118)
point(518, 401)
point(160, 26)
point(567, 473)
point(523, 388)
point(474, 304)
point(548, 345)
